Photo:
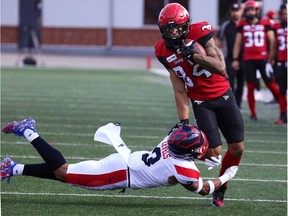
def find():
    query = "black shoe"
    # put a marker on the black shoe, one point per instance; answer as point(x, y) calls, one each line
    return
point(253, 118)
point(218, 197)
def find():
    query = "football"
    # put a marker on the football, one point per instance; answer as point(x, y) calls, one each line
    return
point(198, 48)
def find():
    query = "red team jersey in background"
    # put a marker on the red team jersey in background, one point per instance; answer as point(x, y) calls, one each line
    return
point(281, 36)
point(255, 39)
point(201, 84)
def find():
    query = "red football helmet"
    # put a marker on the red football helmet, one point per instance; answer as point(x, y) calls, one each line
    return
point(251, 4)
point(187, 142)
point(174, 17)
point(271, 14)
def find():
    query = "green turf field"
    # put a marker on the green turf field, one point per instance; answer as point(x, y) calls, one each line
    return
point(69, 105)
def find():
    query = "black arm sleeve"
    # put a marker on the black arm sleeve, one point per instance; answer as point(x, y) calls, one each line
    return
point(203, 40)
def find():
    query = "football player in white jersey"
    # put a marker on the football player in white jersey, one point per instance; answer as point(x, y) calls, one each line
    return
point(169, 163)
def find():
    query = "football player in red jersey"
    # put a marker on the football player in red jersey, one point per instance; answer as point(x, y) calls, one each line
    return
point(205, 83)
point(280, 29)
point(254, 33)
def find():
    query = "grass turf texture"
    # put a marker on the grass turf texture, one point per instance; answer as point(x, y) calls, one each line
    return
point(69, 105)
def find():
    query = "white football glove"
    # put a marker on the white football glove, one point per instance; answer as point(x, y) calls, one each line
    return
point(213, 162)
point(269, 70)
point(228, 174)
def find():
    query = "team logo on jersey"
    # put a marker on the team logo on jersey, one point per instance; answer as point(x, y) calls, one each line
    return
point(171, 58)
point(209, 27)
point(198, 102)
point(226, 97)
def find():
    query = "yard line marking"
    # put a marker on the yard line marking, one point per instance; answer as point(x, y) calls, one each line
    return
point(139, 196)
point(132, 146)
point(88, 118)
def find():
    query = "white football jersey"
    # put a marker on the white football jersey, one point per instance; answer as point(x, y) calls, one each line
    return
point(152, 169)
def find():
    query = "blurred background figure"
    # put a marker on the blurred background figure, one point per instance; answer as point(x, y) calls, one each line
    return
point(258, 52)
point(272, 15)
point(280, 29)
point(225, 41)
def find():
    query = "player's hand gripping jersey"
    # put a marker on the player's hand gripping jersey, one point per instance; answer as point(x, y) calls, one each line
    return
point(281, 36)
point(254, 39)
point(201, 84)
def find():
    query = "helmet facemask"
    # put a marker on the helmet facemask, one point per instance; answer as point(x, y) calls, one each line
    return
point(173, 39)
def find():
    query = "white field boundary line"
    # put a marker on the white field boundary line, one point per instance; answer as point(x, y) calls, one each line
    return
point(135, 146)
point(138, 196)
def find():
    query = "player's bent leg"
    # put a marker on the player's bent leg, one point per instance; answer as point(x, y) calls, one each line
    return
point(107, 174)
point(61, 172)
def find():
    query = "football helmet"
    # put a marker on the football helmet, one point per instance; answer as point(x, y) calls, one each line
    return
point(187, 142)
point(173, 22)
point(271, 14)
point(251, 4)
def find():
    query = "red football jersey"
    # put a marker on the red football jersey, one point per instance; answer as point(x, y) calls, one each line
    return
point(200, 83)
point(254, 39)
point(281, 36)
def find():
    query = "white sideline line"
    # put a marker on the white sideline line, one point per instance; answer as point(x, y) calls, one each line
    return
point(138, 196)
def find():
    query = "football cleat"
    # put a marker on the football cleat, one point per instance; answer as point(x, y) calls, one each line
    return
point(253, 118)
point(18, 127)
point(218, 197)
point(280, 121)
point(7, 166)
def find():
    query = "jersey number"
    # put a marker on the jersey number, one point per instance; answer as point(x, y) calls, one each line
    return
point(254, 39)
point(150, 159)
point(282, 42)
point(179, 71)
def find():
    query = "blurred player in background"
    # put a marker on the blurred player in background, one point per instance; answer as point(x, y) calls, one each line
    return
point(202, 80)
point(226, 38)
point(272, 15)
point(169, 163)
point(280, 29)
point(252, 34)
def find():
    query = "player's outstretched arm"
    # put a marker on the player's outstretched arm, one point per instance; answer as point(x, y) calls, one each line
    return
point(208, 187)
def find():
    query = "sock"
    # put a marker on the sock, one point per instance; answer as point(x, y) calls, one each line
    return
point(250, 98)
point(30, 135)
point(228, 161)
point(274, 89)
point(18, 169)
point(39, 170)
point(50, 155)
point(283, 103)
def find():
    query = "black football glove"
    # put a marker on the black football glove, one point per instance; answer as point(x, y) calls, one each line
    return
point(179, 124)
point(188, 51)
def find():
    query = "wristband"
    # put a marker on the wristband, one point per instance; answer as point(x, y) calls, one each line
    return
point(235, 59)
point(200, 186)
point(212, 186)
